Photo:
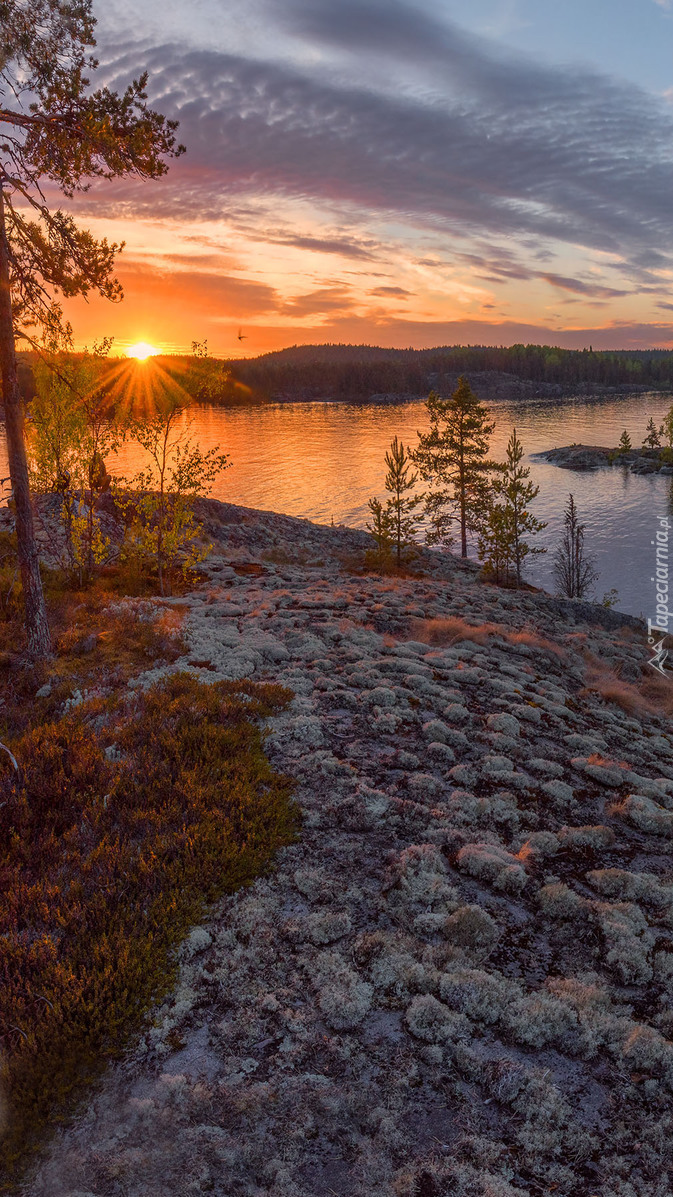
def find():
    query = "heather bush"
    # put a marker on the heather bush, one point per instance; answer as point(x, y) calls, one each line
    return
point(642, 887)
point(646, 815)
point(558, 901)
point(107, 860)
point(420, 881)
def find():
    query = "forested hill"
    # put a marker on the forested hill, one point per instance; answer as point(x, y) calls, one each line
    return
point(359, 371)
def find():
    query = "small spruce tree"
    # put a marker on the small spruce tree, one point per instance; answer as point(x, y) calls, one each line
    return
point(453, 457)
point(652, 436)
point(394, 525)
point(382, 532)
point(401, 506)
point(574, 571)
point(625, 445)
point(495, 545)
point(516, 493)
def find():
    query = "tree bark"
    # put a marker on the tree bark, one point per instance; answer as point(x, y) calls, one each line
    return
point(37, 627)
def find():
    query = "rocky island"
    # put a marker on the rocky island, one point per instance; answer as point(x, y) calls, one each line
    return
point(459, 977)
point(590, 457)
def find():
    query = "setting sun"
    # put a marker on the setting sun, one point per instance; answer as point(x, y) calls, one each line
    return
point(141, 351)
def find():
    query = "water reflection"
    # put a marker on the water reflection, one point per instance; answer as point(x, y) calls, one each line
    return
point(325, 460)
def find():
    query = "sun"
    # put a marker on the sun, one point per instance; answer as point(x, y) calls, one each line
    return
point(141, 351)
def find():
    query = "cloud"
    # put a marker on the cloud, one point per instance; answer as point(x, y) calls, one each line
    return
point(509, 149)
point(342, 246)
point(391, 292)
point(211, 294)
point(325, 299)
point(582, 288)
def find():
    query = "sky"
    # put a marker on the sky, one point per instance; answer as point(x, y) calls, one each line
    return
point(393, 172)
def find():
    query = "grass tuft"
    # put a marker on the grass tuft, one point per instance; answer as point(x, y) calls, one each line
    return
point(452, 629)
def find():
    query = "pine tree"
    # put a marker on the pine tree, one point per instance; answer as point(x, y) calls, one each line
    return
point(453, 457)
point(401, 506)
point(625, 445)
point(652, 436)
point(516, 492)
point(397, 522)
point(382, 532)
point(59, 132)
point(575, 573)
point(495, 546)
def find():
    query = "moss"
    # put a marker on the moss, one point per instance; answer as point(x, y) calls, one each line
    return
point(107, 862)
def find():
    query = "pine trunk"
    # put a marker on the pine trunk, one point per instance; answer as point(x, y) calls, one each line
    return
point(37, 627)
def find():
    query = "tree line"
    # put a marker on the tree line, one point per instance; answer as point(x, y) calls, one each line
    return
point(357, 371)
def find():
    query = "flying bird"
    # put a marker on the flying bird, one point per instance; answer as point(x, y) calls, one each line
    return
point(242, 336)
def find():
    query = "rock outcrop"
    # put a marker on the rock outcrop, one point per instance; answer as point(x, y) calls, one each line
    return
point(459, 979)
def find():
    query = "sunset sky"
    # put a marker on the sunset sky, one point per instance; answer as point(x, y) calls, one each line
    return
point(394, 173)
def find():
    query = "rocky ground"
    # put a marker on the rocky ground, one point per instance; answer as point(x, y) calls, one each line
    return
point(459, 980)
point(589, 457)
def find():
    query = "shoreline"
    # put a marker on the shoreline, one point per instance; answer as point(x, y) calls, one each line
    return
point(248, 530)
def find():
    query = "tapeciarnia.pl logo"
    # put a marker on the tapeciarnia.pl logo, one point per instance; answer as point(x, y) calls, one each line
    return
point(657, 628)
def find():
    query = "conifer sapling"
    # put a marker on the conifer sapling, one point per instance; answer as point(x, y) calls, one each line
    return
point(574, 571)
point(453, 457)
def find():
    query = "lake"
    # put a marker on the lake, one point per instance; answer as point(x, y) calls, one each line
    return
point(324, 461)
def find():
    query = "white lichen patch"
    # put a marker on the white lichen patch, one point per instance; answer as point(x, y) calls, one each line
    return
point(493, 865)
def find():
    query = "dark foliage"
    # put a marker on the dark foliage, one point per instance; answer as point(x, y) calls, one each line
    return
point(106, 859)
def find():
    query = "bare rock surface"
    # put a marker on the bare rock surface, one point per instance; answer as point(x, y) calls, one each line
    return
point(459, 981)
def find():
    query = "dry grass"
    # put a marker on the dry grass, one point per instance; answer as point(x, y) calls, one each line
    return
point(453, 629)
point(450, 630)
point(653, 696)
point(605, 762)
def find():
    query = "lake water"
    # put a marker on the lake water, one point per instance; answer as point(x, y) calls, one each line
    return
point(325, 460)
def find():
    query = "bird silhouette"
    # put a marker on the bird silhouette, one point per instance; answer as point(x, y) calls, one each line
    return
point(242, 336)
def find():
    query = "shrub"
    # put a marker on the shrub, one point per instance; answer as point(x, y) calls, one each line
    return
point(651, 697)
point(344, 997)
point(451, 630)
point(481, 996)
point(472, 928)
point(433, 1022)
point(488, 862)
point(108, 858)
point(646, 815)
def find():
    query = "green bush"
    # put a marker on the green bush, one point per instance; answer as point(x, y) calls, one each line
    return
point(106, 861)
